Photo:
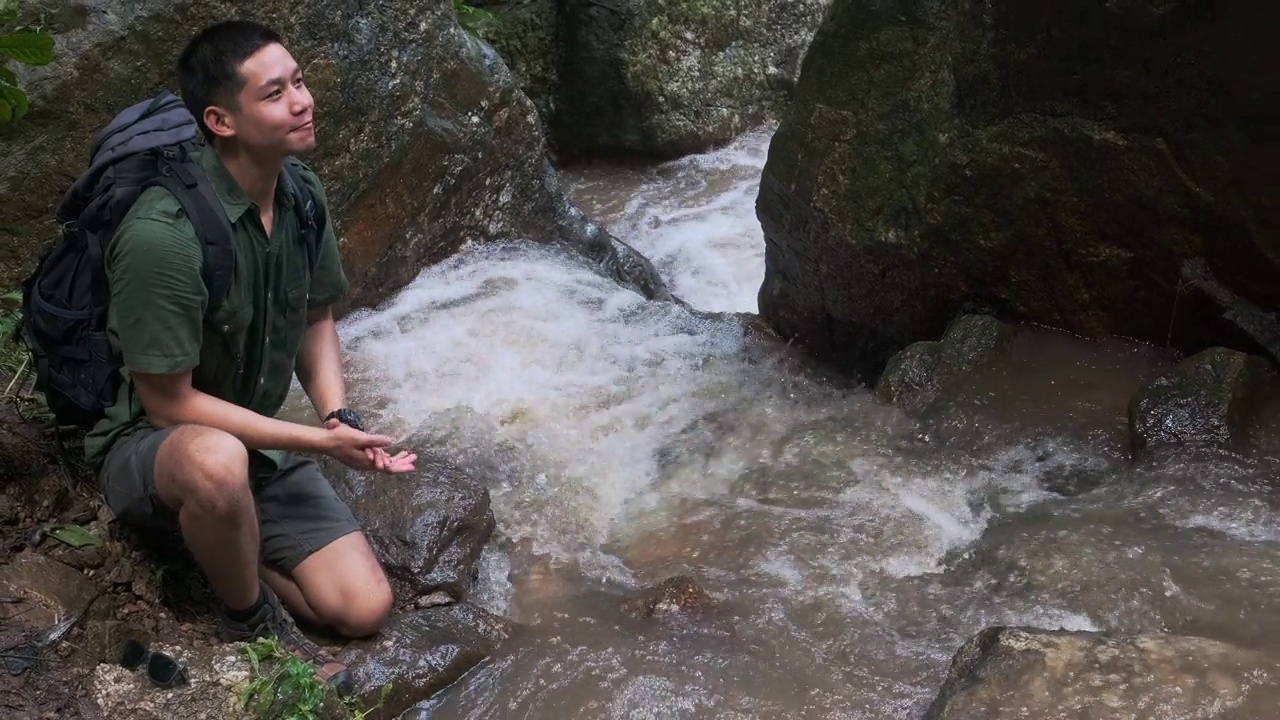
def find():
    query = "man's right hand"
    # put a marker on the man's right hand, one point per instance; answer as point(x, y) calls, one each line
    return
point(363, 451)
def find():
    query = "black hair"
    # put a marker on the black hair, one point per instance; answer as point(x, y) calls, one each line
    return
point(209, 67)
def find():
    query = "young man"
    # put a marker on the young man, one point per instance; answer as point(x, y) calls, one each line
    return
point(192, 444)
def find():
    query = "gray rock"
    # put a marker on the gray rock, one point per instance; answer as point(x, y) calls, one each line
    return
point(427, 527)
point(1006, 673)
point(914, 375)
point(425, 142)
point(418, 654)
point(1059, 165)
point(51, 589)
point(217, 675)
point(1209, 399)
point(655, 77)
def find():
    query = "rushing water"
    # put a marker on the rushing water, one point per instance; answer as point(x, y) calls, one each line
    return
point(851, 548)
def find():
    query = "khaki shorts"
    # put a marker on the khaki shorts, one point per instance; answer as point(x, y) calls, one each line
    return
point(298, 511)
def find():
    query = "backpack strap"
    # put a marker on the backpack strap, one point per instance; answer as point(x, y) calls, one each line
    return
point(188, 183)
point(311, 212)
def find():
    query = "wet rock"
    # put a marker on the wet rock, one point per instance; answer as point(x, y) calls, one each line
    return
point(677, 596)
point(1062, 165)
point(425, 141)
point(1210, 399)
point(422, 652)
point(217, 675)
point(655, 77)
point(1018, 673)
point(1201, 565)
point(427, 527)
point(913, 377)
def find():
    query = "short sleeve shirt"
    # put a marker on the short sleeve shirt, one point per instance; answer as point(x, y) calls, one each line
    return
point(242, 352)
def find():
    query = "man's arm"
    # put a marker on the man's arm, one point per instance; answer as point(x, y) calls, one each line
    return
point(319, 363)
point(170, 399)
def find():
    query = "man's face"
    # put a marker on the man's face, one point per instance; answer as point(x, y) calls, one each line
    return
point(273, 113)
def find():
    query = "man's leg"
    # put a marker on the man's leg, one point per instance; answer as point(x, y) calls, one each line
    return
point(202, 474)
point(340, 586)
point(316, 558)
point(196, 480)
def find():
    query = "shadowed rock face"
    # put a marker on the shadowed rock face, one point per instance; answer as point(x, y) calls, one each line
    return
point(425, 142)
point(1062, 163)
point(1017, 673)
point(654, 77)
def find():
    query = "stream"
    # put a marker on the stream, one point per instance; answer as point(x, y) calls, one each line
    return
point(850, 547)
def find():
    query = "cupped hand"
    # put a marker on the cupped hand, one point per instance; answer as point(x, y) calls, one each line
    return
point(364, 451)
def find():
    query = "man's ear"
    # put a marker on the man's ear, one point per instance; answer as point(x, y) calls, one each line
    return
point(220, 122)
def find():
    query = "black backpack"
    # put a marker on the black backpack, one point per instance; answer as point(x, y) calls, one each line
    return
point(64, 302)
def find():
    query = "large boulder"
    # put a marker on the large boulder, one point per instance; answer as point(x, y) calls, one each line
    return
point(426, 143)
point(655, 77)
point(1101, 168)
point(1005, 673)
point(427, 527)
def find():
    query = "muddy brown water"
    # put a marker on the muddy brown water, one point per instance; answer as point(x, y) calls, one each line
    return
point(851, 548)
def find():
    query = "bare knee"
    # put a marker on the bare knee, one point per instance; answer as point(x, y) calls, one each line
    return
point(205, 468)
point(362, 611)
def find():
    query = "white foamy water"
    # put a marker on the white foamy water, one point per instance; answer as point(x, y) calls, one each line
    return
point(639, 441)
point(695, 219)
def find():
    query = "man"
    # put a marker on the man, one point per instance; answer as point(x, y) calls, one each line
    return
point(192, 443)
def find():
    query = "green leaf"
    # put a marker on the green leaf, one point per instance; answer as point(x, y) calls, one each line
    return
point(28, 48)
point(13, 102)
point(73, 535)
point(8, 14)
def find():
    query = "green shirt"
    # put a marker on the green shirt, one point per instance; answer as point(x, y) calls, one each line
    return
point(244, 351)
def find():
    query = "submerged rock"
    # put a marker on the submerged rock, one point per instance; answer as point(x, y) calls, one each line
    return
point(913, 377)
point(677, 596)
point(425, 142)
point(420, 653)
point(1006, 673)
point(655, 77)
point(1209, 399)
point(427, 527)
point(1062, 164)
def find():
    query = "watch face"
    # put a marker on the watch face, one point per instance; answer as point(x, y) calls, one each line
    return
point(352, 418)
point(347, 417)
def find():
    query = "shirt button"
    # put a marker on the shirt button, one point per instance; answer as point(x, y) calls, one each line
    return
point(226, 328)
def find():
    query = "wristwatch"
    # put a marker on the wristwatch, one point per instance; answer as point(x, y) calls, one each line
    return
point(347, 417)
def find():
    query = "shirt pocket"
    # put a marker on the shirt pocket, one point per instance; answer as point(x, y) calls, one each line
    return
point(221, 368)
point(294, 312)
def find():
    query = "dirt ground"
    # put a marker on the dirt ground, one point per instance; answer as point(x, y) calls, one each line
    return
point(136, 590)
